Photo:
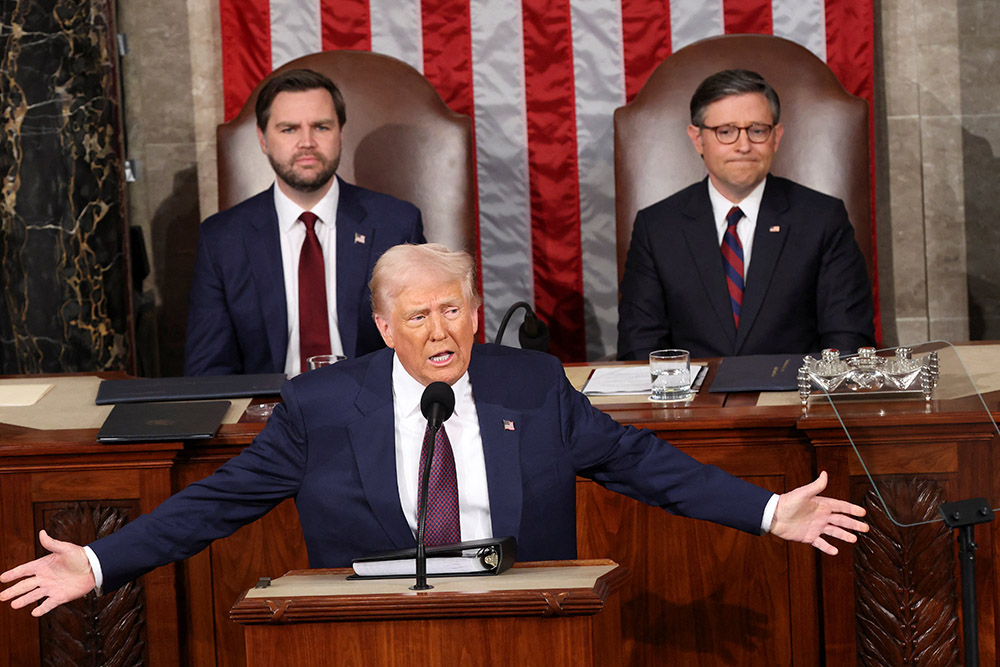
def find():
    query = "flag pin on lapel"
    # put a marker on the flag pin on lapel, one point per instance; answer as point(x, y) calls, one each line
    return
point(359, 238)
point(775, 228)
point(508, 425)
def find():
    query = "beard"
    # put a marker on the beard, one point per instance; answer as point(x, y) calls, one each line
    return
point(311, 180)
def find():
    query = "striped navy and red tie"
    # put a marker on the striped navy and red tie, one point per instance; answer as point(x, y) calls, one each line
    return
point(732, 262)
point(443, 525)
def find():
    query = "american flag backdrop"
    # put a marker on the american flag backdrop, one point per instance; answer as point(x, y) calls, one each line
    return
point(541, 80)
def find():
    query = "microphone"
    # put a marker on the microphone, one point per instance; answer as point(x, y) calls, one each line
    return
point(437, 403)
point(533, 333)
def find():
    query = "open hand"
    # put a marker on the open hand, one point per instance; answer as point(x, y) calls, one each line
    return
point(802, 515)
point(59, 577)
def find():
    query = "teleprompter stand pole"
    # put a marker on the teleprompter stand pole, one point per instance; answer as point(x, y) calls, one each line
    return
point(963, 515)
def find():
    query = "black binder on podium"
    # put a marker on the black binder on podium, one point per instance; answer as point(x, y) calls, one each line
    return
point(492, 555)
point(141, 390)
point(758, 372)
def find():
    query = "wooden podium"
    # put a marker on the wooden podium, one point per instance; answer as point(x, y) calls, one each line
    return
point(549, 613)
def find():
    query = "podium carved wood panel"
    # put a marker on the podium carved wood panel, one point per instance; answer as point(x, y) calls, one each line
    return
point(905, 584)
point(112, 626)
point(79, 493)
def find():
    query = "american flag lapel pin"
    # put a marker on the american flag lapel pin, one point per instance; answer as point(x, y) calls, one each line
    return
point(508, 424)
point(775, 228)
point(359, 238)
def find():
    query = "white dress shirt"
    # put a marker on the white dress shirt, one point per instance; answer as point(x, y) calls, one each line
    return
point(747, 225)
point(466, 444)
point(292, 233)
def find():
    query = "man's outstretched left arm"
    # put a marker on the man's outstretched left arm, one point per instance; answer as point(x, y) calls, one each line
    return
point(802, 515)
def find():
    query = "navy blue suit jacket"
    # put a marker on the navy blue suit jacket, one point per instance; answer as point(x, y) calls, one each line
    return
point(807, 286)
point(331, 446)
point(237, 314)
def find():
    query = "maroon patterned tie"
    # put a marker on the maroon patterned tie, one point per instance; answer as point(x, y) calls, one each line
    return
point(732, 262)
point(314, 322)
point(442, 525)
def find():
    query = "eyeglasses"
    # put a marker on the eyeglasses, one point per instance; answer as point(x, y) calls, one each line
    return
point(757, 133)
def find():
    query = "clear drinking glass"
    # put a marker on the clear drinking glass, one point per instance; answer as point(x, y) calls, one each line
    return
point(670, 373)
point(321, 360)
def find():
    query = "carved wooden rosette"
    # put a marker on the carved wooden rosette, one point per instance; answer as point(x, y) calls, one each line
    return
point(905, 585)
point(111, 629)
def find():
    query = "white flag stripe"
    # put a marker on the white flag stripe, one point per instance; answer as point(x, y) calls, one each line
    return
point(295, 30)
point(397, 30)
point(692, 20)
point(802, 21)
point(599, 72)
point(502, 158)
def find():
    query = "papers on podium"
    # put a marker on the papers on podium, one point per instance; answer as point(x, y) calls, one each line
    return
point(475, 557)
point(632, 379)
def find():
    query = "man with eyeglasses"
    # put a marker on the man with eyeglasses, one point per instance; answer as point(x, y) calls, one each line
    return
point(689, 282)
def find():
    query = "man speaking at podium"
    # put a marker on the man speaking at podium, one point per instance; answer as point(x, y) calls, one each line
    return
point(346, 439)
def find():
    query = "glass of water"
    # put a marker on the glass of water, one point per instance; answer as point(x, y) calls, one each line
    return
point(321, 360)
point(670, 373)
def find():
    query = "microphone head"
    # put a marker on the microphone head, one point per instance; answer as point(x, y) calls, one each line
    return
point(533, 334)
point(438, 394)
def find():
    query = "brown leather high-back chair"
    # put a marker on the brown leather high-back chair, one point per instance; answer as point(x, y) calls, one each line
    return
point(825, 145)
point(400, 139)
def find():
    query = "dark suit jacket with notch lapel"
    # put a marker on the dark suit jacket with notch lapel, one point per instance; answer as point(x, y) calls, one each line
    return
point(331, 446)
point(807, 287)
point(237, 314)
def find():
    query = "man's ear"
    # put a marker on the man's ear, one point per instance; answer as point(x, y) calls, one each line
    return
point(384, 329)
point(779, 130)
point(694, 133)
point(262, 140)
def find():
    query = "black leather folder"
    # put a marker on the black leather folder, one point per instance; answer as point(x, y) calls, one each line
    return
point(758, 372)
point(142, 390)
point(163, 422)
point(492, 555)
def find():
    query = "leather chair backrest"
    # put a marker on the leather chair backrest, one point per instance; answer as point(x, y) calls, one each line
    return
point(825, 145)
point(400, 139)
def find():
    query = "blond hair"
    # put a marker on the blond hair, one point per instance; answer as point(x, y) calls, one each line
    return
point(402, 265)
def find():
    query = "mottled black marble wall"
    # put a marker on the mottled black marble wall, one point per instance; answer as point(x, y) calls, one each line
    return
point(66, 296)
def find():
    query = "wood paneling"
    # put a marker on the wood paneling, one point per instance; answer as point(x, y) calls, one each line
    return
point(698, 594)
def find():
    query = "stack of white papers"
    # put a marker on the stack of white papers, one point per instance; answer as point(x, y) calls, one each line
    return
point(624, 380)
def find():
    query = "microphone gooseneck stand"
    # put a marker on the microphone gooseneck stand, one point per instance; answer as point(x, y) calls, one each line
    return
point(436, 404)
point(533, 334)
point(421, 583)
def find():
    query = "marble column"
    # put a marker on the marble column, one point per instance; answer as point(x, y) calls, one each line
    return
point(65, 280)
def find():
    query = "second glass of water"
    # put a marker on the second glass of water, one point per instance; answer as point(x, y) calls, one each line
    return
point(670, 373)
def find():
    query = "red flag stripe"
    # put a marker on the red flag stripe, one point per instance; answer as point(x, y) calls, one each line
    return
point(645, 40)
point(448, 52)
point(346, 25)
point(850, 53)
point(747, 16)
point(447, 40)
point(553, 174)
point(246, 55)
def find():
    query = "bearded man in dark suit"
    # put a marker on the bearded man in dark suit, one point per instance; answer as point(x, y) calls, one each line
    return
point(251, 309)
